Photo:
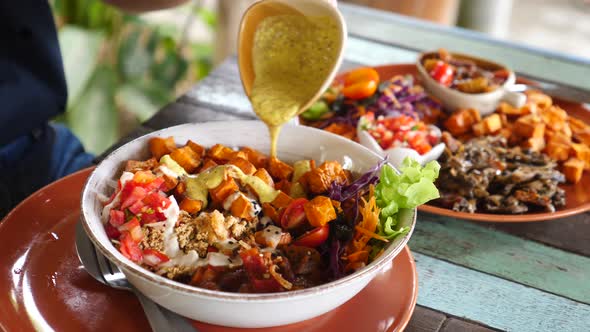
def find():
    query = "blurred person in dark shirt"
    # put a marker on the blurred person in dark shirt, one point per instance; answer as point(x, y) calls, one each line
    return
point(33, 90)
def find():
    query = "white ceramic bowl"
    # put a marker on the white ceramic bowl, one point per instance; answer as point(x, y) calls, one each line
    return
point(486, 103)
point(235, 309)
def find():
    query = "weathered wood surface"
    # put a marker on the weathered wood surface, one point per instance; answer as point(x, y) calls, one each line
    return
point(425, 320)
point(504, 255)
point(496, 302)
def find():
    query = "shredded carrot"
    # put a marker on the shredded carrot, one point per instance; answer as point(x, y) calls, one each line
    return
point(359, 256)
point(365, 230)
point(371, 234)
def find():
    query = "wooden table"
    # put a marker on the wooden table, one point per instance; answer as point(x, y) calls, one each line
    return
point(472, 276)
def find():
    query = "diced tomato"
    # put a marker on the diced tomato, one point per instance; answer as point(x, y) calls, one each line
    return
point(253, 263)
point(130, 248)
point(116, 217)
point(133, 222)
point(294, 215)
point(157, 184)
point(112, 231)
point(313, 238)
point(443, 73)
point(269, 285)
point(149, 216)
point(155, 201)
point(154, 257)
point(136, 194)
point(137, 207)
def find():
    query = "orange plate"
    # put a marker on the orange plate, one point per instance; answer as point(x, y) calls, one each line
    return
point(577, 196)
point(45, 287)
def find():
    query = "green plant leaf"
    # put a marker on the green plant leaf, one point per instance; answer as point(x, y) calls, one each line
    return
point(133, 58)
point(208, 16)
point(79, 61)
point(137, 101)
point(94, 117)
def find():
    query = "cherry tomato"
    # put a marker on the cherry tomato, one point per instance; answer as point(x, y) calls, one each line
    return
point(313, 238)
point(361, 75)
point(443, 73)
point(360, 90)
point(294, 215)
point(360, 83)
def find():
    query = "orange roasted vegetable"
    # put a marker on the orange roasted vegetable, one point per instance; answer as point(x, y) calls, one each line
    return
point(279, 170)
point(256, 157)
point(220, 153)
point(282, 200)
point(191, 206)
point(187, 158)
point(461, 121)
point(160, 146)
point(319, 179)
point(269, 211)
point(225, 188)
point(199, 149)
point(319, 211)
point(573, 169)
point(241, 208)
point(262, 174)
point(207, 163)
point(243, 164)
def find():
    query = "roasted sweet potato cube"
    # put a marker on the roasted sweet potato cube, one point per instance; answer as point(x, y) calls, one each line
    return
point(282, 200)
point(270, 211)
point(479, 129)
point(191, 206)
point(582, 152)
point(573, 169)
point(170, 182)
point(221, 192)
point(319, 211)
point(279, 170)
point(243, 164)
point(577, 125)
point(510, 110)
point(186, 158)
point(583, 137)
point(342, 129)
point(256, 157)
point(529, 126)
point(262, 174)
point(283, 185)
point(557, 137)
point(319, 180)
point(160, 146)
point(180, 189)
point(554, 117)
point(492, 123)
point(241, 208)
point(220, 153)
point(207, 163)
point(558, 151)
point(461, 121)
point(199, 149)
point(136, 165)
point(534, 144)
point(506, 132)
point(542, 100)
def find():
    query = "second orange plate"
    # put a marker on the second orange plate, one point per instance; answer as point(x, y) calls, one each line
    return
point(577, 196)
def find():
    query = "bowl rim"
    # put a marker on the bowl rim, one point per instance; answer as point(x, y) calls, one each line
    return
point(151, 277)
point(501, 90)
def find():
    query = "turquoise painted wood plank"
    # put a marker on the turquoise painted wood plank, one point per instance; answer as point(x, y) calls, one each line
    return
point(504, 255)
point(494, 301)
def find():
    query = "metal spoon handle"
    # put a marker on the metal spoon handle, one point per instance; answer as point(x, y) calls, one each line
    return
point(162, 319)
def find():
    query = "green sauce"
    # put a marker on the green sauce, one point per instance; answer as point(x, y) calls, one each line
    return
point(197, 186)
point(292, 56)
